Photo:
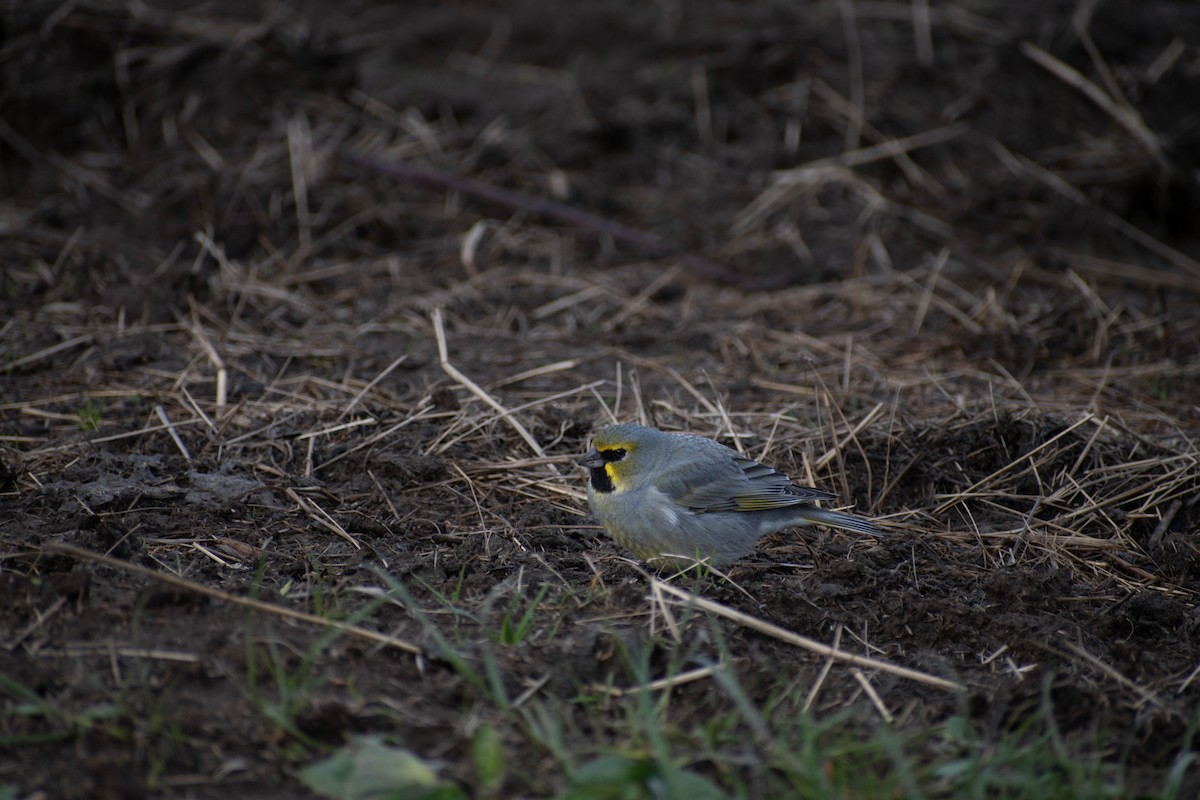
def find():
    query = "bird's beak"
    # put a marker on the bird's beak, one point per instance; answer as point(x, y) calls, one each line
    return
point(591, 459)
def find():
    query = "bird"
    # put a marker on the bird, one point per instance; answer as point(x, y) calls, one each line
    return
point(678, 498)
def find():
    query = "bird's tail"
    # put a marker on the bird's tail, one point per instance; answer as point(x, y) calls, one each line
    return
point(840, 519)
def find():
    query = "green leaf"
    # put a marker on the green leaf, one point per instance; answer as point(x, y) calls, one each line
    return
point(488, 756)
point(369, 769)
point(622, 778)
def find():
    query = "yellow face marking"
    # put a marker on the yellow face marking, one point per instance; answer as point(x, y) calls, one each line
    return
point(612, 474)
point(614, 456)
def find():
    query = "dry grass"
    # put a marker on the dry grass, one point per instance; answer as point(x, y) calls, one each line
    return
point(326, 407)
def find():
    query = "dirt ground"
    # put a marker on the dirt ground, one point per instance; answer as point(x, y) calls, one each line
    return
point(939, 258)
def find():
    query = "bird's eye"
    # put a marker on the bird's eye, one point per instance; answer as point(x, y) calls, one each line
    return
point(616, 454)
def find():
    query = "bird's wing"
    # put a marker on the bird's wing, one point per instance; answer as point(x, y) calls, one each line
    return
point(736, 484)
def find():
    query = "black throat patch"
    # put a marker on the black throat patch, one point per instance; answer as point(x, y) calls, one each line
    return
point(600, 480)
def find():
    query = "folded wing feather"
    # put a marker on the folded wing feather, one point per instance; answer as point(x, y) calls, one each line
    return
point(746, 486)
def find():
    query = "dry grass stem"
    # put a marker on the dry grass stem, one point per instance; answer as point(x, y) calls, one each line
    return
point(1146, 695)
point(695, 601)
point(785, 182)
point(79, 554)
point(218, 363)
point(873, 695)
point(162, 415)
point(682, 678)
point(475, 389)
point(1121, 112)
point(40, 620)
point(814, 691)
point(354, 401)
point(1119, 224)
point(320, 515)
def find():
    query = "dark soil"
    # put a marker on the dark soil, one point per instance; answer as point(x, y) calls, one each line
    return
point(1013, 312)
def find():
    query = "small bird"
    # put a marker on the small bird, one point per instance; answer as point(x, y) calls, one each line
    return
point(677, 497)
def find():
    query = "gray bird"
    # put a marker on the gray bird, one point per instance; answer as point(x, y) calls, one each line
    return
point(676, 497)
